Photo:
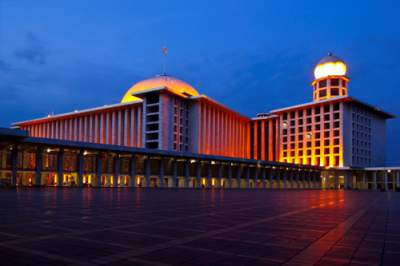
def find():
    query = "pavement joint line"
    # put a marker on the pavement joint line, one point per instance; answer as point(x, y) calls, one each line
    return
point(46, 255)
point(67, 234)
point(127, 254)
point(316, 250)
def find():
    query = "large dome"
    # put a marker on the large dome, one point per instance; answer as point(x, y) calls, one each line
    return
point(177, 86)
point(330, 65)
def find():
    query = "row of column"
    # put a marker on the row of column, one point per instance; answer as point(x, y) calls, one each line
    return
point(262, 176)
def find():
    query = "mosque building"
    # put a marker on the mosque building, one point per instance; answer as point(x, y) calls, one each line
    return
point(334, 136)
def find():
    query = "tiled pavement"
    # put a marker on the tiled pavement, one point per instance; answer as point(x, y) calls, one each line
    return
point(193, 227)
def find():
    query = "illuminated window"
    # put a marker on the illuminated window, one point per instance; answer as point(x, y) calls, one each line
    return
point(336, 124)
point(322, 93)
point(322, 84)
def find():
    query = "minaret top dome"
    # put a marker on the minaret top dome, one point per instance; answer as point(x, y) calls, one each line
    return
point(330, 65)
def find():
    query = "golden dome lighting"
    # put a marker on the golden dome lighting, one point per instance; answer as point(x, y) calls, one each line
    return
point(330, 66)
point(173, 84)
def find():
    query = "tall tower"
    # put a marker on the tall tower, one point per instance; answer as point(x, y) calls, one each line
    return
point(330, 78)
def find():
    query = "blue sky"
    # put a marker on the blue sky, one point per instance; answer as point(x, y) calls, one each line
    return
point(253, 56)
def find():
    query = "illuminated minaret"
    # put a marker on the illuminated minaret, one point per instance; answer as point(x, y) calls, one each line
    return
point(330, 78)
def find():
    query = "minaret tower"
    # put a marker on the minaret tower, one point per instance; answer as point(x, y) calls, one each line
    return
point(330, 78)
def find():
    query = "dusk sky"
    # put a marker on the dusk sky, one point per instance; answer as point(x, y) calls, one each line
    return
point(253, 56)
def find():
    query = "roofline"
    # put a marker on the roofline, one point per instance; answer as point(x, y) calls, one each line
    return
point(336, 99)
point(206, 98)
point(75, 113)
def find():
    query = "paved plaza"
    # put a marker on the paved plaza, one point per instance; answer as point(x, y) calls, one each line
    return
point(50, 226)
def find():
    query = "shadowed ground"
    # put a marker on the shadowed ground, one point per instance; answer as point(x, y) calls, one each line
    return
point(193, 227)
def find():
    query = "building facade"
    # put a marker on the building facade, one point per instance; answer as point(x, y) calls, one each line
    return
point(334, 132)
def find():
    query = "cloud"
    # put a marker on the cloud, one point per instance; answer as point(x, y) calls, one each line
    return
point(33, 52)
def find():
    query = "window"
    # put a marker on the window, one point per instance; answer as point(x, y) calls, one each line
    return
point(318, 143)
point(336, 150)
point(336, 124)
point(317, 151)
point(285, 116)
point(336, 116)
point(327, 125)
point(326, 142)
point(322, 93)
point(336, 107)
point(334, 91)
point(327, 117)
point(309, 112)
point(308, 144)
point(326, 108)
point(326, 151)
point(326, 134)
point(318, 127)
point(317, 110)
point(336, 133)
point(317, 119)
point(334, 82)
point(322, 84)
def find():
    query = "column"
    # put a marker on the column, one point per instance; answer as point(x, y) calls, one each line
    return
point(397, 179)
point(278, 178)
point(297, 173)
point(198, 174)
point(80, 168)
point(209, 175)
point(133, 171)
point(229, 176)
point(248, 176)
point(271, 178)
point(264, 177)
point(14, 160)
point(346, 180)
point(284, 173)
point(239, 175)
point(39, 166)
point(291, 173)
point(219, 177)
point(187, 173)
point(174, 173)
point(117, 166)
point(385, 180)
point(312, 180)
point(374, 183)
point(364, 180)
point(162, 173)
point(256, 174)
point(60, 167)
point(147, 171)
point(304, 179)
point(99, 168)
